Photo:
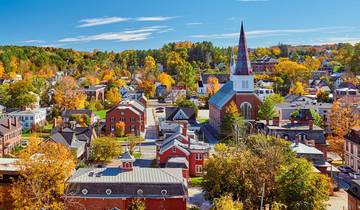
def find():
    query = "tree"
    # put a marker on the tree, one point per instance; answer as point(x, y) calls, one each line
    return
point(316, 118)
point(186, 76)
point(136, 204)
point(67, 96)
point(166, 80)
point(260, 52)
point(120, 128)
point(149, 64)
point(21, 94)
point(276, 98)
point(105, 148)
point(298, 89)
point(81, 119)
point(113, 96)
point(260, 160)
point(342, 118)
point(148, 87)
point(267, 109)
point(293, 70)
point(312, 64)
point(230, 116)
point(301, 188)
point(2, 70)
point(173, 61)
point(212, 85)
point(37, 188)
point(226, 202)
point(323, 96)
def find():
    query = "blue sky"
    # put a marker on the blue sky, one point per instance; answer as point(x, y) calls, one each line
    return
point(142, 24)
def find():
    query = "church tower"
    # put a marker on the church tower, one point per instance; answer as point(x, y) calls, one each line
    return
point(241, 75)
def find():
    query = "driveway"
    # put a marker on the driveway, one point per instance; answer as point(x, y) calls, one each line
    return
point(196, 198)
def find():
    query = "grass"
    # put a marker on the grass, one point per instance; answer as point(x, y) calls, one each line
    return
point(196, 181)
point(101, 113)
point(47, 128)
point(137, 155)
point(124, 138)
point(37, 134)
point(203, 120)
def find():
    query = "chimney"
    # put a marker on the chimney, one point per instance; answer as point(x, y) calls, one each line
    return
point(276, 121)
point(9, 122)
point(311, 124)
point(184, 129)
point(16, 122)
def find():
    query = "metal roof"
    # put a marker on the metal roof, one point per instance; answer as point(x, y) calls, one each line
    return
point(221, 97)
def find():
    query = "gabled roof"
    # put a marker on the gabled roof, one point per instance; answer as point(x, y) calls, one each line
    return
point(68, 138)
point(301, 148)
point(127, 157)
point(4, 125)
point(171, 112)
point(354, 135)
point(221, 97)
point(177, 162)
point(68, 113)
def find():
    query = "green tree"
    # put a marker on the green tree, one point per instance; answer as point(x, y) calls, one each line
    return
point(226, 202)
point(300, 188)
point(267, 109)
point(276, 98)
point(186, 76)
point(21, 94)
point(105, 148)
point(316, 118)
point(183, 102)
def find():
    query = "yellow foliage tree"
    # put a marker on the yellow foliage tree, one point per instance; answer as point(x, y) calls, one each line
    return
point(312, 64)
point(298, 89)
point(92, 79)
point(108, 75)
point(166, 80)
point(113, 96)
point(150, 64)
point(2, 70)
point(212, 85)
point(148, 87)
point(66, 95)
point(293, 70)
point(226, 202)
point(120, 128)
point(44, 168)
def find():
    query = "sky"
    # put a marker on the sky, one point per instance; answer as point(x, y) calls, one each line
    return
point(116, 25)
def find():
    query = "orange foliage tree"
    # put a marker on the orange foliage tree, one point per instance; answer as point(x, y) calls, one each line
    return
point(67, 96)
point(120, 128)
point(212, 85)
point(166, 80)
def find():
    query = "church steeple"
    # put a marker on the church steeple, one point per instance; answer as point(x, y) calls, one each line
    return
point(243, 66)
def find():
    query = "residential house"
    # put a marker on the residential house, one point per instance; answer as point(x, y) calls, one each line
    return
point(202, 84)
point(114, 188)
point(182, 115)
point(10, 134)
point(8, 174)
point(96, 92)
point(300, 129)
point(131, 112)
point(262, 93)
point(352, 148)
point(285, 109)
point(178, 145)
point(353, 194)
point(348, 95)
point(66, 115)
point(264, 64)
point(30, 117)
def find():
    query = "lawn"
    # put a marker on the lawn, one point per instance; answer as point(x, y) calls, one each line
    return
point(203, 120)
point(196, 181)
point(137, 155)
point(101, 113)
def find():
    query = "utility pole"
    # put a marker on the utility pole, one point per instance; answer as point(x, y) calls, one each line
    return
point(262, 196)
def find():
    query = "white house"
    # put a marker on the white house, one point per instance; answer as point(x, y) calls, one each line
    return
point(30, 117)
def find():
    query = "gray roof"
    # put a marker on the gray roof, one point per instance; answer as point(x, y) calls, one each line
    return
point(177, 162)
point(137, 175)
point(4, 125)
point(170, 112)
point(68, 113)
point(177, 140)
point(221, 97)
point(304, 105)
point(67, 137)
point(126, 156)
point(301, 148)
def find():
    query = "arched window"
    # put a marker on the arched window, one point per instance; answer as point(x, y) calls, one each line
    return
point(245, 109)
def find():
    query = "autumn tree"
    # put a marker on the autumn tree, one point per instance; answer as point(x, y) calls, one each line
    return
point(186, 76)
point(312, 64)
point(212, 85)
point(120, 128)
point(37, 188)
point(298, 89)
point(136, 204)
point(166, 79)
point(232, 119)
point(2, 69)
point(148, 87)
point(323, 96)
point(173, 61)
point(293, 70)
point(67, 96)
point(262, 160)
point(105, 148)
point(226, 202)
point(21, 94)
point(113, 96)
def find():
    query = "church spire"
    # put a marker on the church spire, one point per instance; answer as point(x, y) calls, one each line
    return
point(243, 66)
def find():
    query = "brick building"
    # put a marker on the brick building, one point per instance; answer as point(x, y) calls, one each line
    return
point(264, 64)
point(240, 89)
point(178, 149)
point(131, 112)
point(354, 195)
point(115, 188)
point(352, 148)
point(10, 134)
point(8, 173)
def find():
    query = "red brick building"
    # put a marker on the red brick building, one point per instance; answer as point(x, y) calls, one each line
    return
point(240, 89)
point(264, 64)
point(115, 188)
point(10, 134)
point(131, 112)
point(193, 153)
point(354, 195)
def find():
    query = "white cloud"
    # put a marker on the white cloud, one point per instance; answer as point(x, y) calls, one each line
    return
point(155, 18)
point(193, 23)
point(124, 36)
point(263, 33)
point(35, 41)
point(334, 40)
point(100, 21)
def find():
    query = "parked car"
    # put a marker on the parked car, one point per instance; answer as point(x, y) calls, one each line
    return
point(346, 169)
point(355, 175)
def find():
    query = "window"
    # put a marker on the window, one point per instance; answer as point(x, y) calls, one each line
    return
point(132, 119)
point(112, 119)
point(246, 84)
point(122, 113)
point(243, 84)
point(351, 148)
point(198, 168)
point(1, 177)
point(198, 156)
point(132, 128)
point(122, 119)
point(246, 110)
point(174, 149)
point(108, 191)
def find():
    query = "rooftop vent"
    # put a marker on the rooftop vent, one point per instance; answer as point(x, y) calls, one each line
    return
point(98, 174)
point(91, 173)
